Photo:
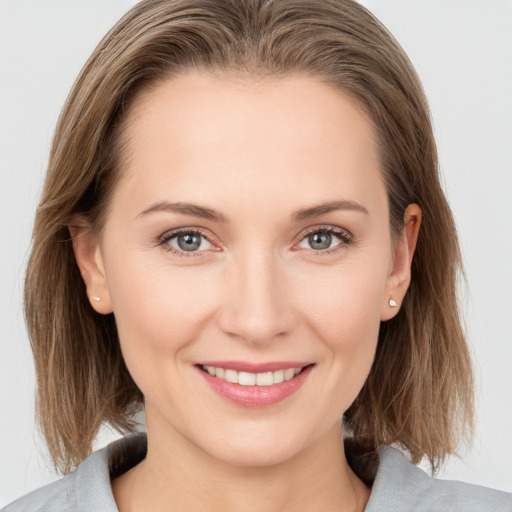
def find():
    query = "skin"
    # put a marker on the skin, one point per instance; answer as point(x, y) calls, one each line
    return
point(256, 290)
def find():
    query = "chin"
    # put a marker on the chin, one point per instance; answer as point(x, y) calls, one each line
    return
point(255, 455)
point(268, 447)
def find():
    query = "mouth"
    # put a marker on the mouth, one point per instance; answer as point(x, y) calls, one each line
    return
point(252, 385)
point(244, 378)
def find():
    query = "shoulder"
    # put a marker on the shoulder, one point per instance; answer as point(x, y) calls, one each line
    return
point(401, 486)
point(88, 487)
point(51, 497)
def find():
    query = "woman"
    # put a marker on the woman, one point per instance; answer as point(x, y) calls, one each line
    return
point(241, 228)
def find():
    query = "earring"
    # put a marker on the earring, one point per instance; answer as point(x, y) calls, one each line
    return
point(392, 303)
point(97, 299)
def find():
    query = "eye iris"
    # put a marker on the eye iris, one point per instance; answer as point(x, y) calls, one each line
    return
point(320, 240)
point(189, 241)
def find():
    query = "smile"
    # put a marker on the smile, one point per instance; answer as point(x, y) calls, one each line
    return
point(254, 385)
point(252, 379)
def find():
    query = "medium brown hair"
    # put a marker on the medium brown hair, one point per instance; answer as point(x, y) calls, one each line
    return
point(419, 391)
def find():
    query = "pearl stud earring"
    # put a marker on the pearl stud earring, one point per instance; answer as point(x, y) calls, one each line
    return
point(392, 302)
point(97, 299)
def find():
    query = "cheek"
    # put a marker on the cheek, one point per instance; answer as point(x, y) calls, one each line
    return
point(344, 314)
point(159, 310)
point(162, 309)
point(344, 299)
point(168, 306)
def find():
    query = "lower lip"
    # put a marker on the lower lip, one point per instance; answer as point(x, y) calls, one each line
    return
point(256, 396)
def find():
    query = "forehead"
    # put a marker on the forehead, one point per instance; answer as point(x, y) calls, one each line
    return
point(208, 136)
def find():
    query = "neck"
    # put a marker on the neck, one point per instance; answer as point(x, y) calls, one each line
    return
point(180, 476)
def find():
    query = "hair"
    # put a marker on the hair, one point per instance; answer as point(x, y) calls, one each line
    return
point(419, 393)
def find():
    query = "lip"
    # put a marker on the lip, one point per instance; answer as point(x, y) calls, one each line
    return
point(243, 366)
point(255, 396)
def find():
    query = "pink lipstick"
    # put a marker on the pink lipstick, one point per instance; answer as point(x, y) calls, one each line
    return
point(254, 385)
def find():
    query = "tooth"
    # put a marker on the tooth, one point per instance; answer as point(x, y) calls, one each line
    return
point(246, 379)
point(278, 376)
point(265, 379)
point(253, 379)
point(231, 376)
point(289, 373)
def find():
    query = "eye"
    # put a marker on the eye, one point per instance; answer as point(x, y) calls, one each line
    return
point(185, 241)
point(192, 242)
point(324, 240)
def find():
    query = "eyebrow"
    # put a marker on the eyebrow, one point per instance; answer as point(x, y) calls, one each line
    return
point(186, 209)
point(196, 210)
point(322, 209)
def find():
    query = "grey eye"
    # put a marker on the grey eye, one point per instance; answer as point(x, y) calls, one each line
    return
point(181, 242)
point(320, 240)
point(189, 241)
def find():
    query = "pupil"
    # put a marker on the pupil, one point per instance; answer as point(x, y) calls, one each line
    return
point(189, 242)
point(320, 240)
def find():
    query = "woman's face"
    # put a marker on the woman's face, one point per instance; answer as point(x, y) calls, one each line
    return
point(249, 235)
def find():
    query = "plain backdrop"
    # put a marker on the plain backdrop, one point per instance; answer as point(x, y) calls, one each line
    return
point(462, 50)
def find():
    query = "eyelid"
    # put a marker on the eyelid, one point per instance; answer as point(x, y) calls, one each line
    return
point(168, 235)
point(325, 227)
point(346, 237)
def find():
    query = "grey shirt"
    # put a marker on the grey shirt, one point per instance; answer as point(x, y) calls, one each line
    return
point(399, 486)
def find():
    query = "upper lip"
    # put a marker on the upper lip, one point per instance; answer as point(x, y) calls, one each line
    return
point(244, 366)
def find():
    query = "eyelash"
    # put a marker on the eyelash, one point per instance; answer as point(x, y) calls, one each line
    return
point(345, 237)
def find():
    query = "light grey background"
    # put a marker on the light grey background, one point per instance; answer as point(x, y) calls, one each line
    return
point(462, 50)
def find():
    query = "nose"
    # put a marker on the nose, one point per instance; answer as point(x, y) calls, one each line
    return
point(258, 305)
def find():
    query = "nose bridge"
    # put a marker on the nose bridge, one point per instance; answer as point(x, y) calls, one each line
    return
point(259, 307)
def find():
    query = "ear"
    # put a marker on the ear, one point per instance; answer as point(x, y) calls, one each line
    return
point(400, 276)
point(86, 247)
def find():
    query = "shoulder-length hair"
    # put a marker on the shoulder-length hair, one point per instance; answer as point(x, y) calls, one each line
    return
point(419, 391)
